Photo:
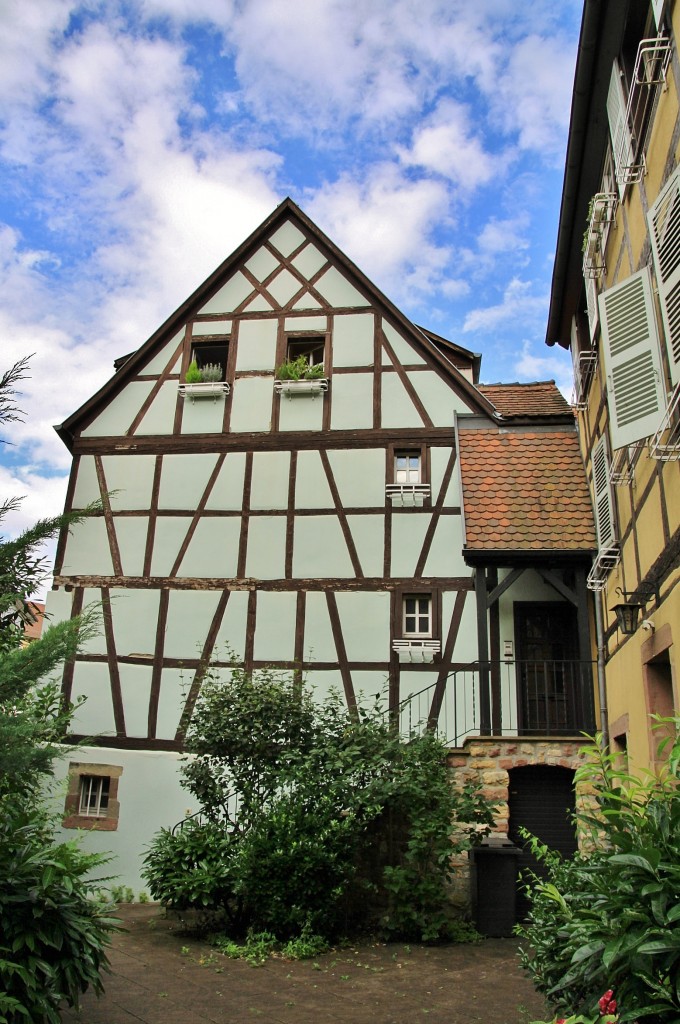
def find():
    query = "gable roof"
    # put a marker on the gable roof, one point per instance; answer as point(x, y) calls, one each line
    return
point(540, 398)
point(524, 491)
point(286, 211)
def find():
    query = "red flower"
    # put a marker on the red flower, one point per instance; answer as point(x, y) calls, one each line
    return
point(607, 1003)
point(562, 1020)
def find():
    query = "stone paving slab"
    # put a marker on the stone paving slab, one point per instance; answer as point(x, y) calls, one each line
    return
point(161, 977)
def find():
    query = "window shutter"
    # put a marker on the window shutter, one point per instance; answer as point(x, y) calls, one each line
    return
point(591, 302)
point(630, 345)
point(622, 146)
point(657, 7)
point(664, 227)
point(604, 509)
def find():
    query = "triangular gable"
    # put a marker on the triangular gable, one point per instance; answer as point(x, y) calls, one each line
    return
point(254, 279)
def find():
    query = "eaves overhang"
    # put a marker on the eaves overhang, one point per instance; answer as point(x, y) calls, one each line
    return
point(600, 39)
point(526, 556)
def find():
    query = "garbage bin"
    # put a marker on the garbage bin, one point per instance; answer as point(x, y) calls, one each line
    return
point(495, 869)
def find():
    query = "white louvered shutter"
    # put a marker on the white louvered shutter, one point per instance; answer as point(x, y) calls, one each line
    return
point(591, 302)
point(630, 347)
point(664, 228)
point(657, 7)
point(622, 146)
point(604, 508)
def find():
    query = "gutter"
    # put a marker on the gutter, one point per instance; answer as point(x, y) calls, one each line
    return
point(601, 683)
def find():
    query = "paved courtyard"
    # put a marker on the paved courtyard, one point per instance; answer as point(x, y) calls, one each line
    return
point(161, 977)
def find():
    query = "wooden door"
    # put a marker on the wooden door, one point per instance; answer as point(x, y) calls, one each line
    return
point(546, 641)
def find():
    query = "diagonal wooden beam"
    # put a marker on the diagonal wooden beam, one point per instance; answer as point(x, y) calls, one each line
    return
point(343, 664)
point(436, 514)
point(406, 381)
point(146, 404)
point(108, 517)
point(112, 657)
point(447, 657)
point(199, 674)
point(344, 525)
point(197, 514)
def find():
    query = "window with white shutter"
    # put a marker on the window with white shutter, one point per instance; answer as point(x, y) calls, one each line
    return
point(591, 302)
point(604, 506)
point(630, 347)
point(657, 7)
point(664, 228)
point(622, 146)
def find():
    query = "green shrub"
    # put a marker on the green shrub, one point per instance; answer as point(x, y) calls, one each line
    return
point(299, 369)
point(316, 820)
point(193, 374)
point(611, 917)
point(53, 932)
point(211, 373)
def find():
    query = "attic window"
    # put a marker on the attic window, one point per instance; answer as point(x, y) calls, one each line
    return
point(311, 348)
point(211, 353)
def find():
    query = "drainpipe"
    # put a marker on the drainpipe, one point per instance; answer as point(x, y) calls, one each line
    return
point(601, 685)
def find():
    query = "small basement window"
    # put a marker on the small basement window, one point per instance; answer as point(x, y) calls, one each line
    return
point(92, 797)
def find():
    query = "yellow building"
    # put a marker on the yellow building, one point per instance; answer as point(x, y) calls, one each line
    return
point(615, 304)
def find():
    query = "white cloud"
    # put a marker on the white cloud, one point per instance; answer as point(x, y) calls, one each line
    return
point(518, 305)
point(500, 236)
point(445, 144)
point(555, 366)
point(384, 222)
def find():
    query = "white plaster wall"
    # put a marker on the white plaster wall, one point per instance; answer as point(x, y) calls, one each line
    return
point(439, 458)
point(134, 614)
point(232, 632)
point(131, 536)
point(120, 411)
point(397, 409)
point(320, 548)
point(305, 302)
point(175, 683)
point(269, 486)
point(150, 798)
point(131, 478)
point(227, 491)
point(408, 534)
point(283, 286)
point(466, 642)
point(308, 261)
point(135, 685)
point(365, 620)
point(311, 484)
point(266, 557)
point(337, 290)
point(251, 408)
point(158, 362)
point(306, 323)
point(184, 479)
point(87, 549)
point(403, 350)
point(213, 549)
point(353, 337)
point(170, 532)
point(258, 304)
point(204, 416)
point(301, 412)
point(190, 614)
point(325, 682)
point(287, 238)
point(359, 475)
point(95, 716)
point(160, 417)
point(368, 534)
point(439, 399)
point(87, 485)
point(445, 557)
point(229, 296)
point(215, 328)
point(275, 626)
point(370, 687)
point(256, 345)
point(319, 644)
point(262, 263)
point(352, 398)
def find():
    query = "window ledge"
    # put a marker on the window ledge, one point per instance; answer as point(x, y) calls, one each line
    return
point(301, 387)
point(212, 390)
point(416, 651)
point(606, 560)
point(405, 495)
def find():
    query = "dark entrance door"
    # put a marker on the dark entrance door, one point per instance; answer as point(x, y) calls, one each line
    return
point(541, 800)
point(546, 640)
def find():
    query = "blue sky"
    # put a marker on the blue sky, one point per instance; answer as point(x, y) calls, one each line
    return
point(142, 141)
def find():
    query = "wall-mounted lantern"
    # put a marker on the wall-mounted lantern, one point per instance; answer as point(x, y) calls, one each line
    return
point(627, 612)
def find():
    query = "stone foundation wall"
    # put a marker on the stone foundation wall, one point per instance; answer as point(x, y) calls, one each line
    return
point(488, 761)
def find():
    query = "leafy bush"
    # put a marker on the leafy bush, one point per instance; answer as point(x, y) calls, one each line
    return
point(53, 933)
point(193, 374)
point(316, 820)
point(211, 373)
point(611, 917)
point(299, 369)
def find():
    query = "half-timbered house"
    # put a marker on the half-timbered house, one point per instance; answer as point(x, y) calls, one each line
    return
point(380, 524)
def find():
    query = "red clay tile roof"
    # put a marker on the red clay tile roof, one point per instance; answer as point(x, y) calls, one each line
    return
point(33, 630)
point(525, 490)
point(541, 398)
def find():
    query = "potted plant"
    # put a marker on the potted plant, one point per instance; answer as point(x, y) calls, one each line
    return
point(203, 382)
point(299, 377)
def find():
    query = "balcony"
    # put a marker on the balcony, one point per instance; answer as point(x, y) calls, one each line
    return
point(506, 698)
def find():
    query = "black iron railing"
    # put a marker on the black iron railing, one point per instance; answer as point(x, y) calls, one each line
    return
point(505, 698)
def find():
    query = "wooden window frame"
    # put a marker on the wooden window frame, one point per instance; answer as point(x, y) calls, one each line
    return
point(217, 343)
point(435, 613)
point(422, 450)
point(316, 341)
point(103, 822)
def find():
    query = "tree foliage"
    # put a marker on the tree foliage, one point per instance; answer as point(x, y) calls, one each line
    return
point(52, 931)
point(610, 918)
point(312, 819)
